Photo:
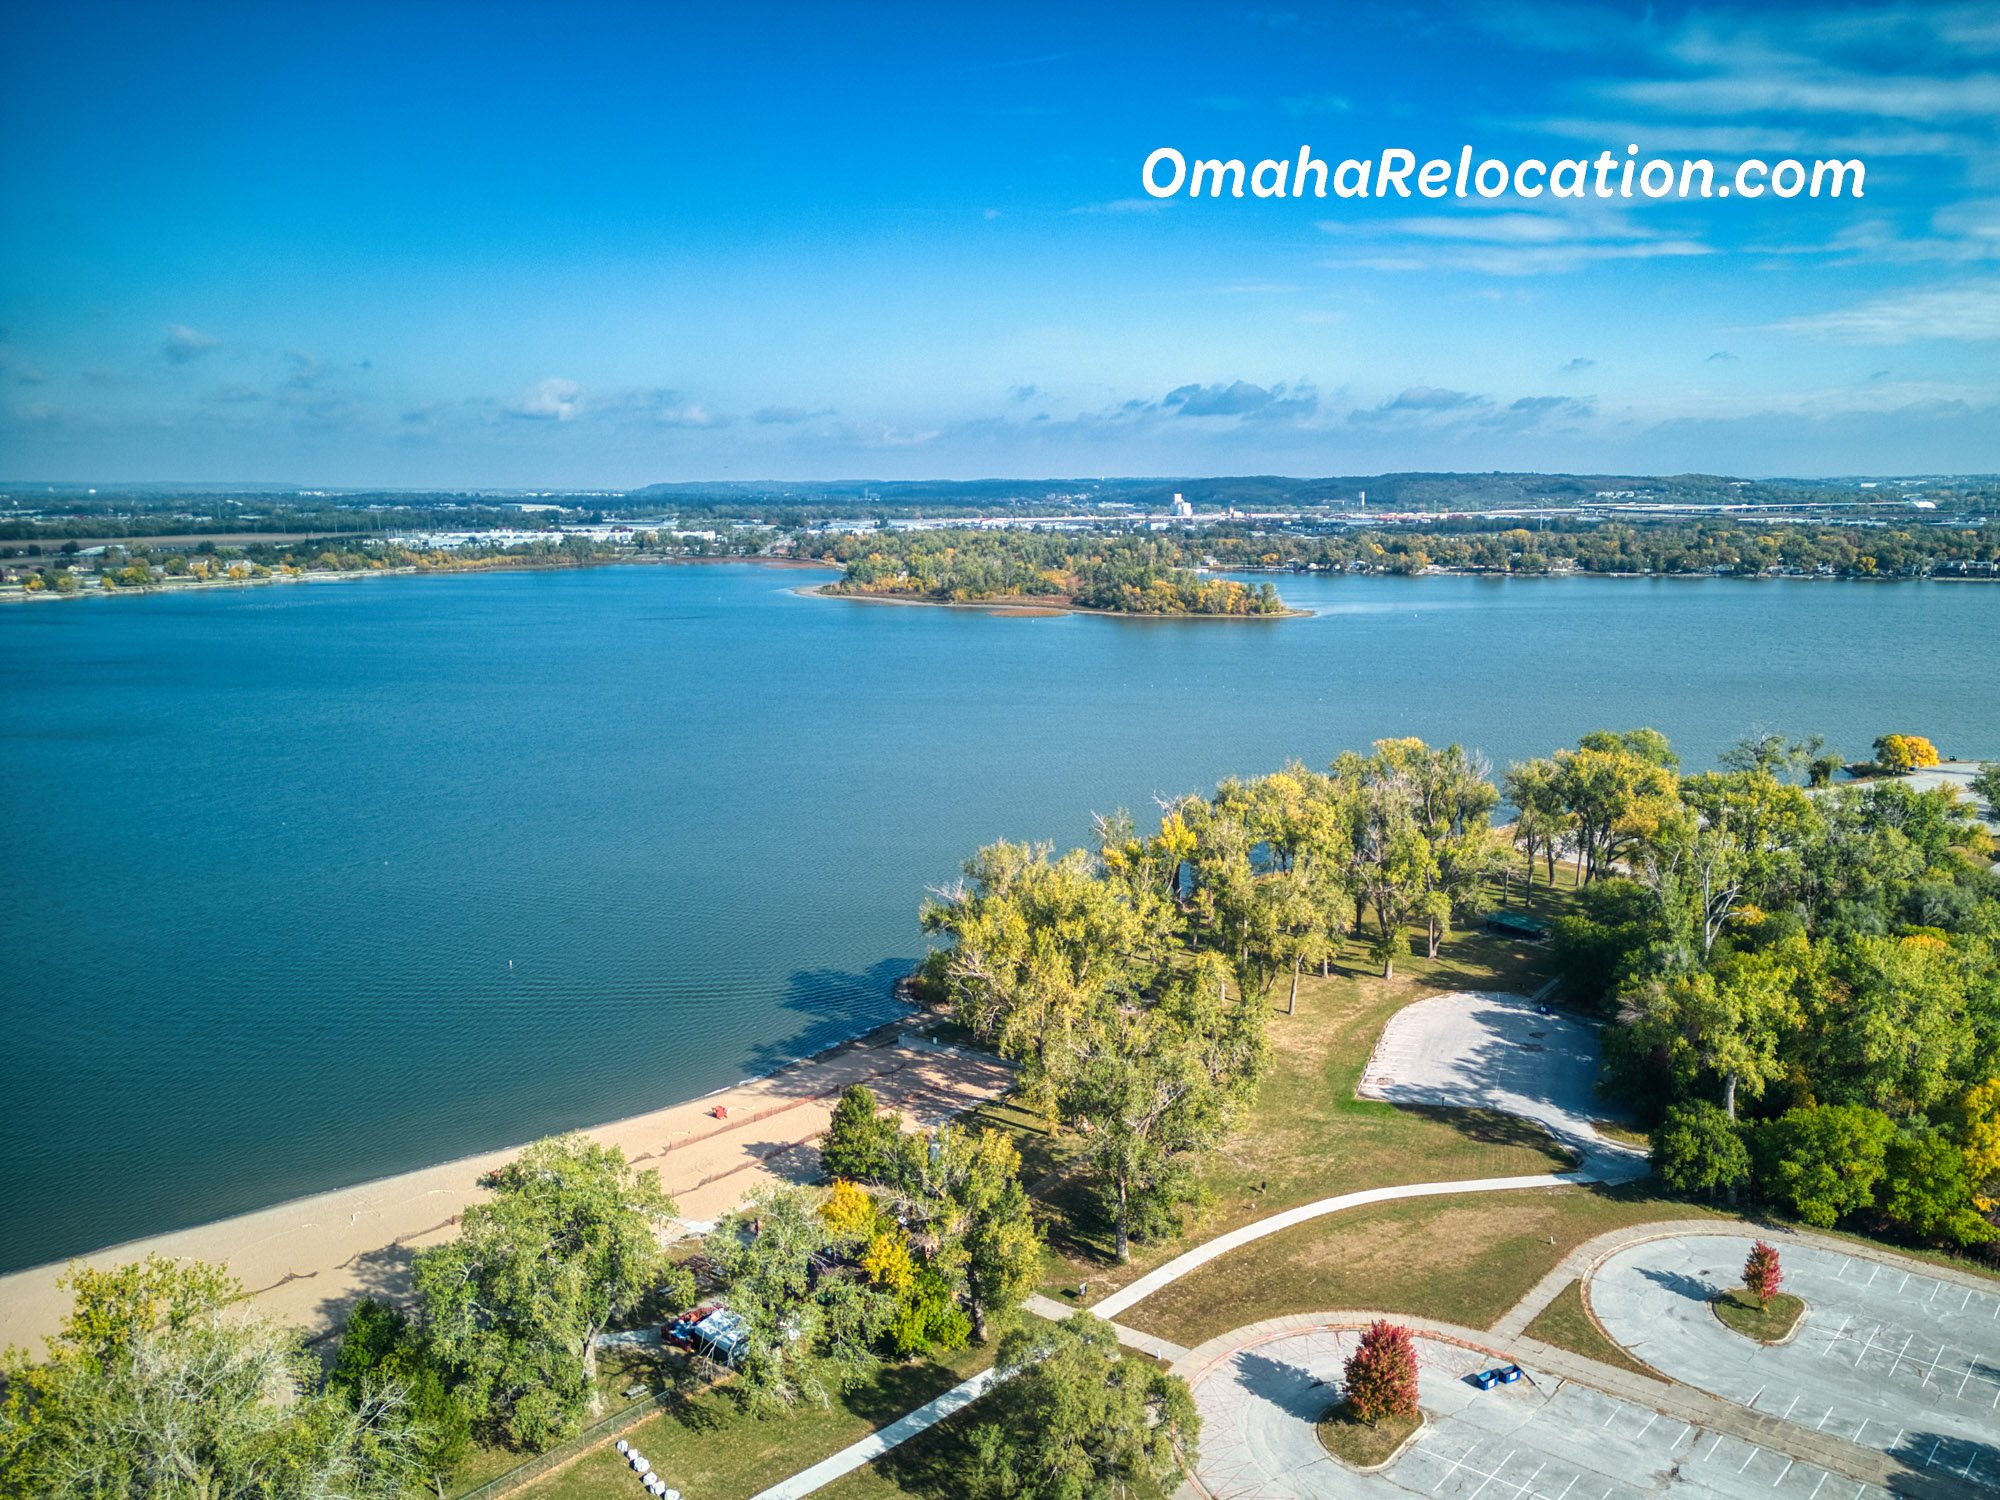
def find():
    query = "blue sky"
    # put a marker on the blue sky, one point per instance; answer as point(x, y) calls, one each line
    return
point(436, 245)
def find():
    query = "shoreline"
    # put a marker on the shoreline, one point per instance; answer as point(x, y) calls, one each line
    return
point(305, 1261)
point(17, 595)
point(1027, 607)
point(1020, 606)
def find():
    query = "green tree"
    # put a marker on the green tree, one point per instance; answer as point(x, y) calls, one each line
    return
point(1159, 1084)
point(1036, 944)
point(1822, 1163)
point(804, 1343)
point(380, 1350)
point(1615, 795)
point(1727, 1023)
point(960, 1192)
point(1080, 1420)
point(859, 1144)
point(1986, 787)
point(567, 1246)
point(158, 1386)
point(1697, 1148)
point(1927, 1190)
point(1541, 821)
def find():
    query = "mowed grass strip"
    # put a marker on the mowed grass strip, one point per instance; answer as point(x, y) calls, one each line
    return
point(1466, 1260)
point(1567, 1323)
point(708, 1446)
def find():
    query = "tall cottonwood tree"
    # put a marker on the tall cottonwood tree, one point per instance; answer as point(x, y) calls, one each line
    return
point(158, 1385)
point(514, 1304)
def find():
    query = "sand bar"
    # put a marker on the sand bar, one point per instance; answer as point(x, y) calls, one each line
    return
point(307, 1261)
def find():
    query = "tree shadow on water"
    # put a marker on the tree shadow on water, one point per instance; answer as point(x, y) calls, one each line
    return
point(839, 1007)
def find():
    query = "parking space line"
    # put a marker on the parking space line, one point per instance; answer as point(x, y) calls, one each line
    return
point(1647, 1428)
point(1749, 1458)
point(1836, 1336)
point(1568, 1487)
point(1822, 1480)
point(1898, 1364)
point(1782, 1473)
point(1933, 1369)
point(1822, 1421)
point(1788, 1410)
point(1866, 1347)
point(1933, 1457)
point(1905, 1282)
point(1717, 1444)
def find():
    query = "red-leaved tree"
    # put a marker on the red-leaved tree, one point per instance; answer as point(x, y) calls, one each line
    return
point(1382, 1373)
point(1762, 1273)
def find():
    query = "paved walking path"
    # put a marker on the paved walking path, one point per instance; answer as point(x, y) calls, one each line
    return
point(929, 1415)
point(879, 1442)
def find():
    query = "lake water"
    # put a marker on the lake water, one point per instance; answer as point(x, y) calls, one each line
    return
point(306, 885)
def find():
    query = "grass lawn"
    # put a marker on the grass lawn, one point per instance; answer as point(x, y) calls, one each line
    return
point(1365, 1445)
point(1739, 1309)
point(1307, 1136)
point(1567, 1324)
point(1466, 1260)
point(708, 1446)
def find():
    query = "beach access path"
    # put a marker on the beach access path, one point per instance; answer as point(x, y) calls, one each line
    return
point(307, 1261)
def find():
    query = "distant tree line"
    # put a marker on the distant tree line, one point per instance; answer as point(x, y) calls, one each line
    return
point(1120, 573)
point(1738, 547)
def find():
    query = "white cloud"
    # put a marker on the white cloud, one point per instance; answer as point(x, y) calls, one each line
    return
point(185, 343)
point(1969, 312)
point(550, 400)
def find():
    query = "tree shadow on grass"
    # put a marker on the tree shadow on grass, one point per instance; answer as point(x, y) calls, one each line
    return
point(934, 1464)
point(1493, 1128)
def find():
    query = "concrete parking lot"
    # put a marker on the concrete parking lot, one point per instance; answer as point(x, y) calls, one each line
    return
point(1504, 1052)
point(1541, 1439)
point(1886, 1357)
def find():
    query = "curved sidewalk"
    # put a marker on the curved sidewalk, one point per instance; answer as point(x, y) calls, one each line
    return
point(924, 1417)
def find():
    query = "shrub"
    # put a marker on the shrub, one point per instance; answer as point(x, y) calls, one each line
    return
point(1382, 1373)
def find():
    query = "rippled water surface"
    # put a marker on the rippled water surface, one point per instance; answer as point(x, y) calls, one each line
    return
point(305, 885)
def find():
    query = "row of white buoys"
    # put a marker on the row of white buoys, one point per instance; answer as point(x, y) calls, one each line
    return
point(653, 1483)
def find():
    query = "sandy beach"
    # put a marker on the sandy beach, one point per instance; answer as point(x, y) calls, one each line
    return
point(307, 1261)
